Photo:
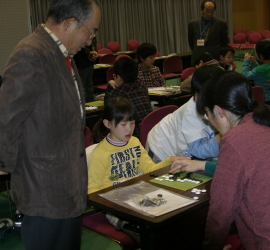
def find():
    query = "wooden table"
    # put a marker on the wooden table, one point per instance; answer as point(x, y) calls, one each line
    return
point(179, 229)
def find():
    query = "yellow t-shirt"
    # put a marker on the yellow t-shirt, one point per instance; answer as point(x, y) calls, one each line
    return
point(109, 164)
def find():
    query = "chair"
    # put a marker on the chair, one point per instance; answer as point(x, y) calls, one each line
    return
point(250, 33)
point(258, 93)
point(109, 73)
point(107, 59)
point(254, 38)
point(87, 137)
point(158, 54)
point(234, 45)
point(237, 31)
point(104, 51)
point(120, 56)
point(235, 242)
point(239, 38)
point(171, 65)
point(98, 47)
point(99, 223)
point(133, 44)
point(265, 34)
point(245, 31)
point(187, 72)
point(153, 118)
point(113, 46)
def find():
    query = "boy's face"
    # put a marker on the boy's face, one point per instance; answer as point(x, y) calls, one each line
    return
point(228, 59)
point(148, 62)
point(122, 132)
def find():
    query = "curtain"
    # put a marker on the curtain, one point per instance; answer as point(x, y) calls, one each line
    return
point(38, 12)
point(161, 22)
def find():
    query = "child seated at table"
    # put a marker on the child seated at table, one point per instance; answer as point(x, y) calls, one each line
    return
point(179, 131)
point(119, 156)
point(126, 71)
point(260, 72)
point(148, 74)
point(226, 55)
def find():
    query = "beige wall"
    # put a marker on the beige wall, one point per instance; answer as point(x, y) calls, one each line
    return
point(251, 15)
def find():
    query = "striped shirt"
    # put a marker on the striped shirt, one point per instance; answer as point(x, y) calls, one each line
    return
point(65, 53)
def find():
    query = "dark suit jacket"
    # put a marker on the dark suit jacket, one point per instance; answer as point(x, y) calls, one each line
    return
point(41, 130)
point(217, 37)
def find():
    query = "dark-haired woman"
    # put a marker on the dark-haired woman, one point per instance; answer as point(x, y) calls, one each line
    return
point(240, 186)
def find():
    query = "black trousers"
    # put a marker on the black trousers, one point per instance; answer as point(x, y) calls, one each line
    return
point(51, 234)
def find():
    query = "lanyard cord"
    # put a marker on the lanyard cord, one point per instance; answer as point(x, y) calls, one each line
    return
point(205, 28)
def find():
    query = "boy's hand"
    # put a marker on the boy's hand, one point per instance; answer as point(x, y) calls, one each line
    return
point(252, 59)
point(93, 55)
point(101, 97)
point(247, 56)
point(113, 84)
point(188, 165)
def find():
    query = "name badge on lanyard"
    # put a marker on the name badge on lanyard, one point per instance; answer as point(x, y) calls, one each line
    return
point(200, 42)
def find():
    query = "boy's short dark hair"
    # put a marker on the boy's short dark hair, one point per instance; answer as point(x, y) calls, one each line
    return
point(203, 3)
point(263, 48)
point(205, 57)
point(224, 50)
point(127, 69)
point(145, 50)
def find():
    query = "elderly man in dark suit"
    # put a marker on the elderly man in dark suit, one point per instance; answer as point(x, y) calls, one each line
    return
point(42, 119)
point(208, 33)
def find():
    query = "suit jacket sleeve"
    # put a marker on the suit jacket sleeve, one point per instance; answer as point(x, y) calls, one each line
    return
point(224, 35)
point(190, 35)
point(19, 93)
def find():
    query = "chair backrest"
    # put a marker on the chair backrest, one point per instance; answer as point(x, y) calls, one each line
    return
point(258, 93)
point(172, 64)
point(187, 72)
point(99, 223)
point(88, 141)
point(98, 46)
point(255, 38)
point(245, 31)
point(104, 51)
point(120, 56)
point(133, 44)
point(239, 38)
point(237, 31)
point(153, 118)
point(113, 46)
point(107, 59)
point(265, 34)
point(109, 73)
point(158, 54)
point(250, 33)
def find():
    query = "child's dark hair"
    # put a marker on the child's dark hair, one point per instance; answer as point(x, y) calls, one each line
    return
point(232, 91)
point(145, 50)
point(263, 48)
point(201, 75)
point(205, 57)
point(116, 109)
point(127, 69)
point(224, 50)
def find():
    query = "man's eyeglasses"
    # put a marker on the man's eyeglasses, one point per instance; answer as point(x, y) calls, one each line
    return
point(209, 11)
point(91, 34)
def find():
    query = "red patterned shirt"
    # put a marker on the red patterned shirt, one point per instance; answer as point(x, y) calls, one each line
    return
point(150, 77)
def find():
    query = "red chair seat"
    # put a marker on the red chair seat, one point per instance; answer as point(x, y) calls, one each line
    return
point(99, 223)
point(101, 86)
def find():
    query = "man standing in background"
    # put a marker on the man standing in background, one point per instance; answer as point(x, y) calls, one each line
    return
point(208, 33)
point(42, 119)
